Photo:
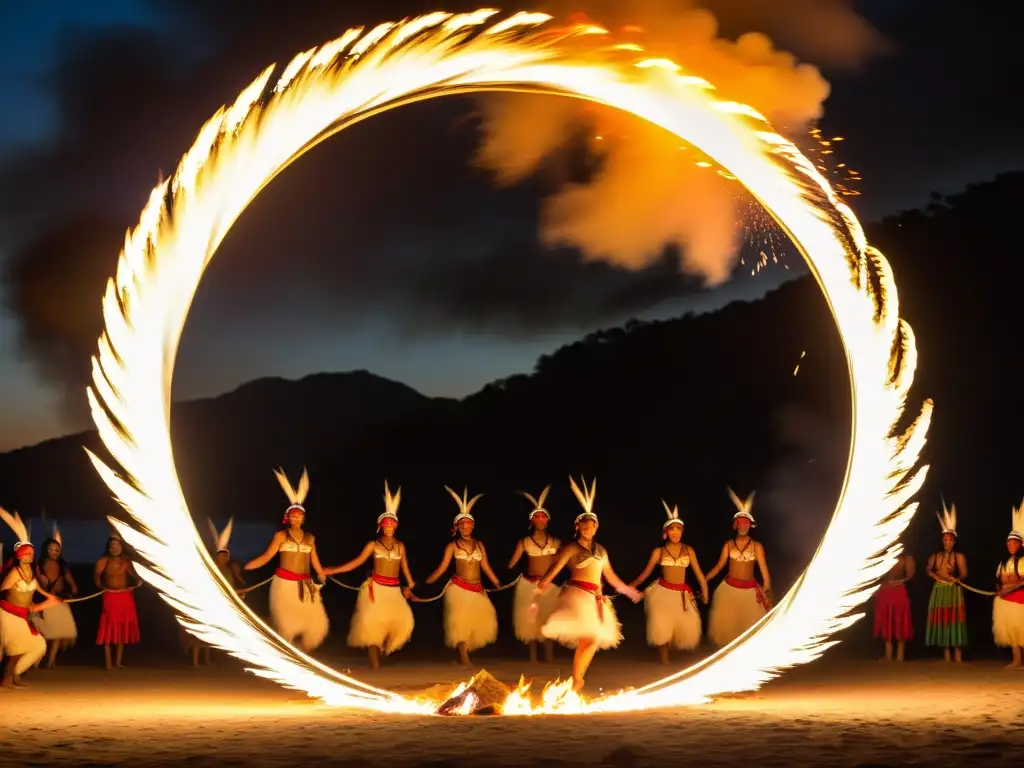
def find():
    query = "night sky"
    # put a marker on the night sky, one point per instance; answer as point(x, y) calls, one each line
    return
point(375, 254)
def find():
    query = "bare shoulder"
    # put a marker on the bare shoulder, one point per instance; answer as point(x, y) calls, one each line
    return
point(691, 551)
point(758, 547)
point(103, 561)
point(961, 557)
point(310, 538)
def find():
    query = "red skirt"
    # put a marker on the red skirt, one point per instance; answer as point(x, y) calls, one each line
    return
point(119, 622)
point(892, 614)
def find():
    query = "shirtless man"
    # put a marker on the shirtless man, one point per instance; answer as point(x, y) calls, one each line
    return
point(739, 602)
point(893, 622)
point(119, 620)
point(947, 615)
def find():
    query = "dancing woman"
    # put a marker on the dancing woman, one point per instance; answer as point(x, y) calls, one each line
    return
point(540, 548)
point(673, 619)
point(20, 642)
point(470, 621)
point(1008, 607)
point(296, 611)
point(119, 619)
point(583, 617)
point(231, 570)
point(383, 621)
point(893, 623)
point(56, 623)
point(947, 614)
point(739, 601)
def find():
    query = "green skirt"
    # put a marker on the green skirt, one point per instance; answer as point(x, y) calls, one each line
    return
point(947, 617)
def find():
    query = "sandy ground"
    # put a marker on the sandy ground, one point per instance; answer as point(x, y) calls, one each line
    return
point(828, 713)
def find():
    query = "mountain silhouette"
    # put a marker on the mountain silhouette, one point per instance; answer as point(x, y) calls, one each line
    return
point(754, 397)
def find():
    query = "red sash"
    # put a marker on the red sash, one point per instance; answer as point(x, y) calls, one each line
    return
point(384, 581)
point(469, 586)
point(1017, 596)
point(531, 579)
point(749, 584)
point(291, 575)
point(594, 589)
point(17, 610)
point(684, 588)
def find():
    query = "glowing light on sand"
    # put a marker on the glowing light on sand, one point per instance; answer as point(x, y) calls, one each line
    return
point(323, 90)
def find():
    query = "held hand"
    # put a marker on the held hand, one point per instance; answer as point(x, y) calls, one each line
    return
point(407, 593)
point(322, 576)
point(633, 594)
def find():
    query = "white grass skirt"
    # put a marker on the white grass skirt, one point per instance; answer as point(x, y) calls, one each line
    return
point(385, 622)
point(469, 617)
point(576, 617)
point(668, 621)
point(304, 623)
point(16, 639)
point(733, 612)
point(56, 622)
point(1007, 623)
point(526, 619)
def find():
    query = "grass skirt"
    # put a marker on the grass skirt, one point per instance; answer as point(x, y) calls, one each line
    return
point(576, 617)
point(119, 621)
point(469, 617)
point(892, 614)
point(384, 622)
point(734, 610)
point(296, 619)
point(17, 639)
point(1008, 620)
point(947, 617)
point(526, 619)
point(672, 618)
point(56, 623)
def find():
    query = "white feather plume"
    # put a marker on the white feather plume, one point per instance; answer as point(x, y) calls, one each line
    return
point(391, 502)
point(672, 513)
point(744, 507)
point(16, 524)
point(947, 520)
point(222, 539)
point(538, 502)
point(585, 497)
point(465, 503)
point(1017, 517)
point(296, 495)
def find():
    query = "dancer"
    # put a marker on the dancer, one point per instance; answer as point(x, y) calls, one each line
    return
point(296, 610)
point(20, 642)
point(1008, 607)
point(540, 548)
point(232, 573)
point(119, 620)
point(739, 601)
point(893, 623)
point(583, 617)
point(57, 623)
point(383, 621)
point(947, 614)
point(470, 621)
point(673, 619)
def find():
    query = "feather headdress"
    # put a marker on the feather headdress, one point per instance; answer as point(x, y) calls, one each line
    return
point(17, 525)
point(585, 498)
point(57, 537)
point(391, 503)
point(673, 515)
point(296, 496)
point(538, 503)
point(947, 520)
point(221, 540)
point(465, 504)
point(744, 507)
point(1017, 515)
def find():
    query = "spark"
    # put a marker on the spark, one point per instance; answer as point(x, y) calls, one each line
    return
point(236, 155)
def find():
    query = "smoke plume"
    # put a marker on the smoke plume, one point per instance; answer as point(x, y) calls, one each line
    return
point(649, 191)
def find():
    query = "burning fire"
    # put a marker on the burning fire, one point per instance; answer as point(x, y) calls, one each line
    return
point(323, 90)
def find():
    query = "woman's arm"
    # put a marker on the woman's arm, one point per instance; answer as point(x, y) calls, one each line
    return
point(49, 602)
point(723, 559)
point(485, 566)
point(10, 580)
point(651, 562)
point(354, 563)
point(961, 566)
point(931, 568)
point(410, 583)
point(70, 581)
point(448, 551)
point(620, 586)
point(560, 562)
point(516, 554)
point(762, 563)
point(698, 574)
point(268, 555)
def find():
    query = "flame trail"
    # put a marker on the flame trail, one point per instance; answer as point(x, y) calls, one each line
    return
point(322, 91)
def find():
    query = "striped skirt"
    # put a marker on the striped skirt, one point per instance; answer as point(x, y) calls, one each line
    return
point(947, 617)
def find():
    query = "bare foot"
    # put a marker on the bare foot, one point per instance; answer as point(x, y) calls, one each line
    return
point(577, 684)
point(885, 658)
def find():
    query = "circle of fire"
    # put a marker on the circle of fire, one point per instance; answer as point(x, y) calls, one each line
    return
point(325, 89)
